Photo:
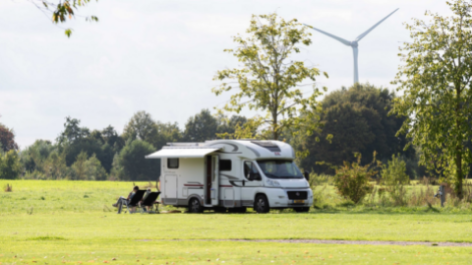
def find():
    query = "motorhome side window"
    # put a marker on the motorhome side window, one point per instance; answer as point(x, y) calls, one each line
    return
point(172, 163)
point(250, 171)
point(225, 165)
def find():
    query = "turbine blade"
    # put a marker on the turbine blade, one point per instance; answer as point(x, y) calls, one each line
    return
point(343, 41)
point(374, 26)
point(355, 52)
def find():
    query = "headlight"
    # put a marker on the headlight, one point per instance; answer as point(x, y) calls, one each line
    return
point(273, 183)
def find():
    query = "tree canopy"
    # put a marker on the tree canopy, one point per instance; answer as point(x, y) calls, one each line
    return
point(435, 80)
point(7, 139)
point(358, 120)
point(270, 79)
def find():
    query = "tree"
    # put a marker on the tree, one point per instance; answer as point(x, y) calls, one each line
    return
point(10, 166)
point(140, 127)
point(94, 169)
point(7, 139)
point(75, 139)
point(229, 125)
point(166, 133)
point(201, 127)
point(358, 120)
point(62, 10)
point(270, 80)
point(435, 80)
point(55, 166)
point(79, 167)
point(135, 166)
point(72, 132)
point(34, 156)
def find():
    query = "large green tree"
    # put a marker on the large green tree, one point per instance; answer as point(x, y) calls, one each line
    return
point(358, 120)
point(166, 133)
point(134, 164)
point(7, 139)
point(140, 127)
point(10, 167)
point(435, 80)
point(269, 79)
point(203, 126)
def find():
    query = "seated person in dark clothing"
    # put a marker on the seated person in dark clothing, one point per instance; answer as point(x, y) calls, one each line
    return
point(122, 199)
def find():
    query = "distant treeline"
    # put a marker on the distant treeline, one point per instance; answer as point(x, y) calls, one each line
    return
point(357, 118)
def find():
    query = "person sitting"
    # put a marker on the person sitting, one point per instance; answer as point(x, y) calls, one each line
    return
point(145, 208)
point(122, 199)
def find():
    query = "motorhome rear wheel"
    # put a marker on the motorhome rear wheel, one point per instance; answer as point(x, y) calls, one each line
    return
point(195, 206)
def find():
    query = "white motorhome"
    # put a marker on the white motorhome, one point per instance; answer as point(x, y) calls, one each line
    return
point(233, 175)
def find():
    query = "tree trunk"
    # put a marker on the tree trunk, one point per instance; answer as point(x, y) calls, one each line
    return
point(458, 158)
point(458, 186)
point(275, 133)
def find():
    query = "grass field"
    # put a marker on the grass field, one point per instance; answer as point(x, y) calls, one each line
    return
point(47, 222)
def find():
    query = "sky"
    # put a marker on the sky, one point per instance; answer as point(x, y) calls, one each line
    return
point(161, 56)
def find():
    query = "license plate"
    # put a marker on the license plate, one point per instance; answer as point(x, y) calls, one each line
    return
point(299, 201)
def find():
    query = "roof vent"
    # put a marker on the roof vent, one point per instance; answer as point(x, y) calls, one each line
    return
point(267, 145)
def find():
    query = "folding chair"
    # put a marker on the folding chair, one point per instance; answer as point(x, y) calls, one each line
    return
point(150, 200)
point(138, 196)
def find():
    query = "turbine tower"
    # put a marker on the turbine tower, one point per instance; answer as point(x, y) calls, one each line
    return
point(354, 44)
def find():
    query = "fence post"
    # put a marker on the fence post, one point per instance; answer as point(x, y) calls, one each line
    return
point(442, 193)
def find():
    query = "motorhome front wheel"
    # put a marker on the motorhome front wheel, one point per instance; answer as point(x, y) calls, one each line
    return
point(261, 205)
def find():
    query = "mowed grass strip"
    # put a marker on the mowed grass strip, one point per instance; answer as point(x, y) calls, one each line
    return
point(96, 225)
point(195, 252)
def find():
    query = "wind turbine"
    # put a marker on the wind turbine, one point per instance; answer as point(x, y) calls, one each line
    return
point(354, 44)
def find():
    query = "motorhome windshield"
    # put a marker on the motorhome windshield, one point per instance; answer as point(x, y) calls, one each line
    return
point(280, 169)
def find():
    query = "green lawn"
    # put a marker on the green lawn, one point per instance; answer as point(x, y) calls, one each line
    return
point(47, 222)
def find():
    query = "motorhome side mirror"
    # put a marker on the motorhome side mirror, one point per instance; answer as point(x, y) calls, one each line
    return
point(307, 175)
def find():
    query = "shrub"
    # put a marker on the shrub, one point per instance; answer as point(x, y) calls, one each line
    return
point(10, 166)
point(394, 178)
point(352, 180)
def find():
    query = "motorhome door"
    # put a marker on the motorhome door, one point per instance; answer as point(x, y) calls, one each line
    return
point(252, 181)
point(215, 182)
point(170, 189)
point(211, 180)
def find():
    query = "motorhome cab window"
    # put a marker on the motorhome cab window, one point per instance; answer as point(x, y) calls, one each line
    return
point(225, 165)
point(172, 163)
point(250, 171)
point(280, 169)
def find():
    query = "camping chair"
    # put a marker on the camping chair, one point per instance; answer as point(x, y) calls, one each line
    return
point(150, 201)
point(138, 196)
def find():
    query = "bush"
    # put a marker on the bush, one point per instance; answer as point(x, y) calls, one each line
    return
point(394, 178)
point(10, 166)
point(352, 180)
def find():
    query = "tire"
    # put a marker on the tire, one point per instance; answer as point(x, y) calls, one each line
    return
point(261, 204)
point(194, 206)
point(301, 209)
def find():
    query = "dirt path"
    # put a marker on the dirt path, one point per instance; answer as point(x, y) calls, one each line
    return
point(359, 242)
point(342, 242)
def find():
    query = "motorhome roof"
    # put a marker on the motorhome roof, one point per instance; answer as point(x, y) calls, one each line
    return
point(249, 148)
